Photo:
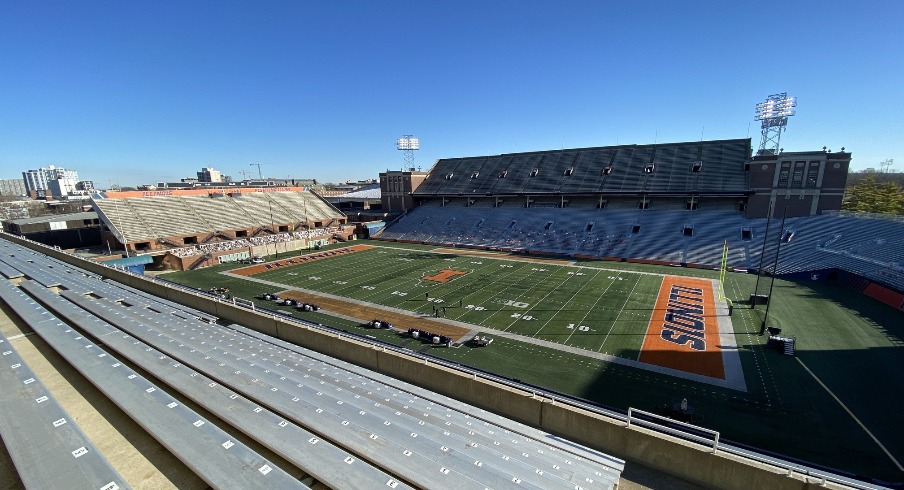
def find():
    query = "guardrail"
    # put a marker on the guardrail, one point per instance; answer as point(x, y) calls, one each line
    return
point(670, 430)
point(627, 418)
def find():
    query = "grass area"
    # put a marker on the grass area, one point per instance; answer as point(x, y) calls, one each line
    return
point(849, 341)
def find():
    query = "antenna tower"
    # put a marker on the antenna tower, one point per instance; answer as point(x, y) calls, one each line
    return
point(773, 113)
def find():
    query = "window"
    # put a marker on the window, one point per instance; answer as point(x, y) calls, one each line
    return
point(783, 175)
point(798, 178)
point(812, 174)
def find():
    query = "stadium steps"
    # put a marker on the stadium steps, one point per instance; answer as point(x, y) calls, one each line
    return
point(168, 217)
point(320, 459)
point(206, 449)
point(122, 217)
point(39, 434)
point(220, 213)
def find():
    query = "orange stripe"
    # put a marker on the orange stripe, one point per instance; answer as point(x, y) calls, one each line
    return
point(706, 358)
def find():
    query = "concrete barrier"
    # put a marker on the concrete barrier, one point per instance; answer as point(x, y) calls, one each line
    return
point(671, 455)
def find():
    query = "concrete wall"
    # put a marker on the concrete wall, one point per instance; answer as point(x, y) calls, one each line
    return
point(673, 456)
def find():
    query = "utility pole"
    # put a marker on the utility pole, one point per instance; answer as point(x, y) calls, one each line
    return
point(887, 163)
point(778, 249)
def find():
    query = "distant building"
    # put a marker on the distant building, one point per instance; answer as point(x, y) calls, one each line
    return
point(73, 230)
point(12, 187)
point(396, 187)
point(85, 186)
point(50, 181)
point(210, 174)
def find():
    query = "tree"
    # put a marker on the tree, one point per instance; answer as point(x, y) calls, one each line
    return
point(869, 196)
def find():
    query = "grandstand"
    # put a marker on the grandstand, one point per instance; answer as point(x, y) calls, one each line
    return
point(674, 203)
point(198, 224)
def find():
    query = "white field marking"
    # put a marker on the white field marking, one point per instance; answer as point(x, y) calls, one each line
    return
point(538, 262)
point(745, 312)
point(591, 309)
point(628, 298)
point(848, 410)
point(498, 279)
point(566, 303)
point(539, 301)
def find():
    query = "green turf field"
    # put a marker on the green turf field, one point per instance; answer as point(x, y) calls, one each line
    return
point(850, 342)
point(598, 310)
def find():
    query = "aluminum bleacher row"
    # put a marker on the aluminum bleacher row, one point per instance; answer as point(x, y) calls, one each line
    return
point(346, 426)
point(153, 217)
point(209, 451)
point(39, 434)
point(873, 248)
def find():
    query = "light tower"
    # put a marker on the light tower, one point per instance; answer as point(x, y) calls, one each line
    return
point(774, 113)
point(408, 144)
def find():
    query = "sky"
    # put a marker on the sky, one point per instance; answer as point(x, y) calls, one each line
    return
point(132, 93)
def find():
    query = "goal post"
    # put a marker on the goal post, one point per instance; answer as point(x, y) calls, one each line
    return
point(723, 266)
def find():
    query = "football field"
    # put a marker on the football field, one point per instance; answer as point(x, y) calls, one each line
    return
point(561, 325)
point(597, 310)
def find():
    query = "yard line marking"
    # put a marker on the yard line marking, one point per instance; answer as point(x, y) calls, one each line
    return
point(565, 342)
point(550, 291)
point(620, 311)
point(848, 410)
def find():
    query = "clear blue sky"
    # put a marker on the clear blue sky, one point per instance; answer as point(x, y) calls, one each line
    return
point(138, 92)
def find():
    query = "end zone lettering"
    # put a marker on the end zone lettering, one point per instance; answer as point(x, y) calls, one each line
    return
point(684, 323)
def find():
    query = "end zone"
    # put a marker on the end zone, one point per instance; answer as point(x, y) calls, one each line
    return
point(689, 332)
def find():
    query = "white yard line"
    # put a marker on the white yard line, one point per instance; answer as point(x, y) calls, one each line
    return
point(562, 307)
point(620, 311)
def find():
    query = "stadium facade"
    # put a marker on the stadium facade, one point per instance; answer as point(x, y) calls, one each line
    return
point(693, 175)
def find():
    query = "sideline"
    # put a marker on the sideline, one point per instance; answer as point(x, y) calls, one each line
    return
point(848, 410)
point(733, 384)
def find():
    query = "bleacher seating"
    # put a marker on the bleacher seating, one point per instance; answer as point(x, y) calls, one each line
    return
point(150, 218)
point(873, 248)
point(582, 171)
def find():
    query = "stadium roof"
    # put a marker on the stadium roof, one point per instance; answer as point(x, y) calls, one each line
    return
point(367, 192)
point(51, 218)
point(710, 167)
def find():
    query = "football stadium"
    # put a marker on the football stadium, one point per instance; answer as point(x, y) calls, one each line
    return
point(546, 319)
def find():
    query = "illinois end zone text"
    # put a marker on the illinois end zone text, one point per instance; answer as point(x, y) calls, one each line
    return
point(685, 323)
point(683, 331)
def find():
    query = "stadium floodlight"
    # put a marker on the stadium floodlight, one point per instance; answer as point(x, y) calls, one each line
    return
point(776, 106)
point(408, 144)
point(773, 114)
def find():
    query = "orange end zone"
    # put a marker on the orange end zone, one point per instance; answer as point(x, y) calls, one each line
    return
point(445, 275)
point(301, 259)
point(683, 333)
